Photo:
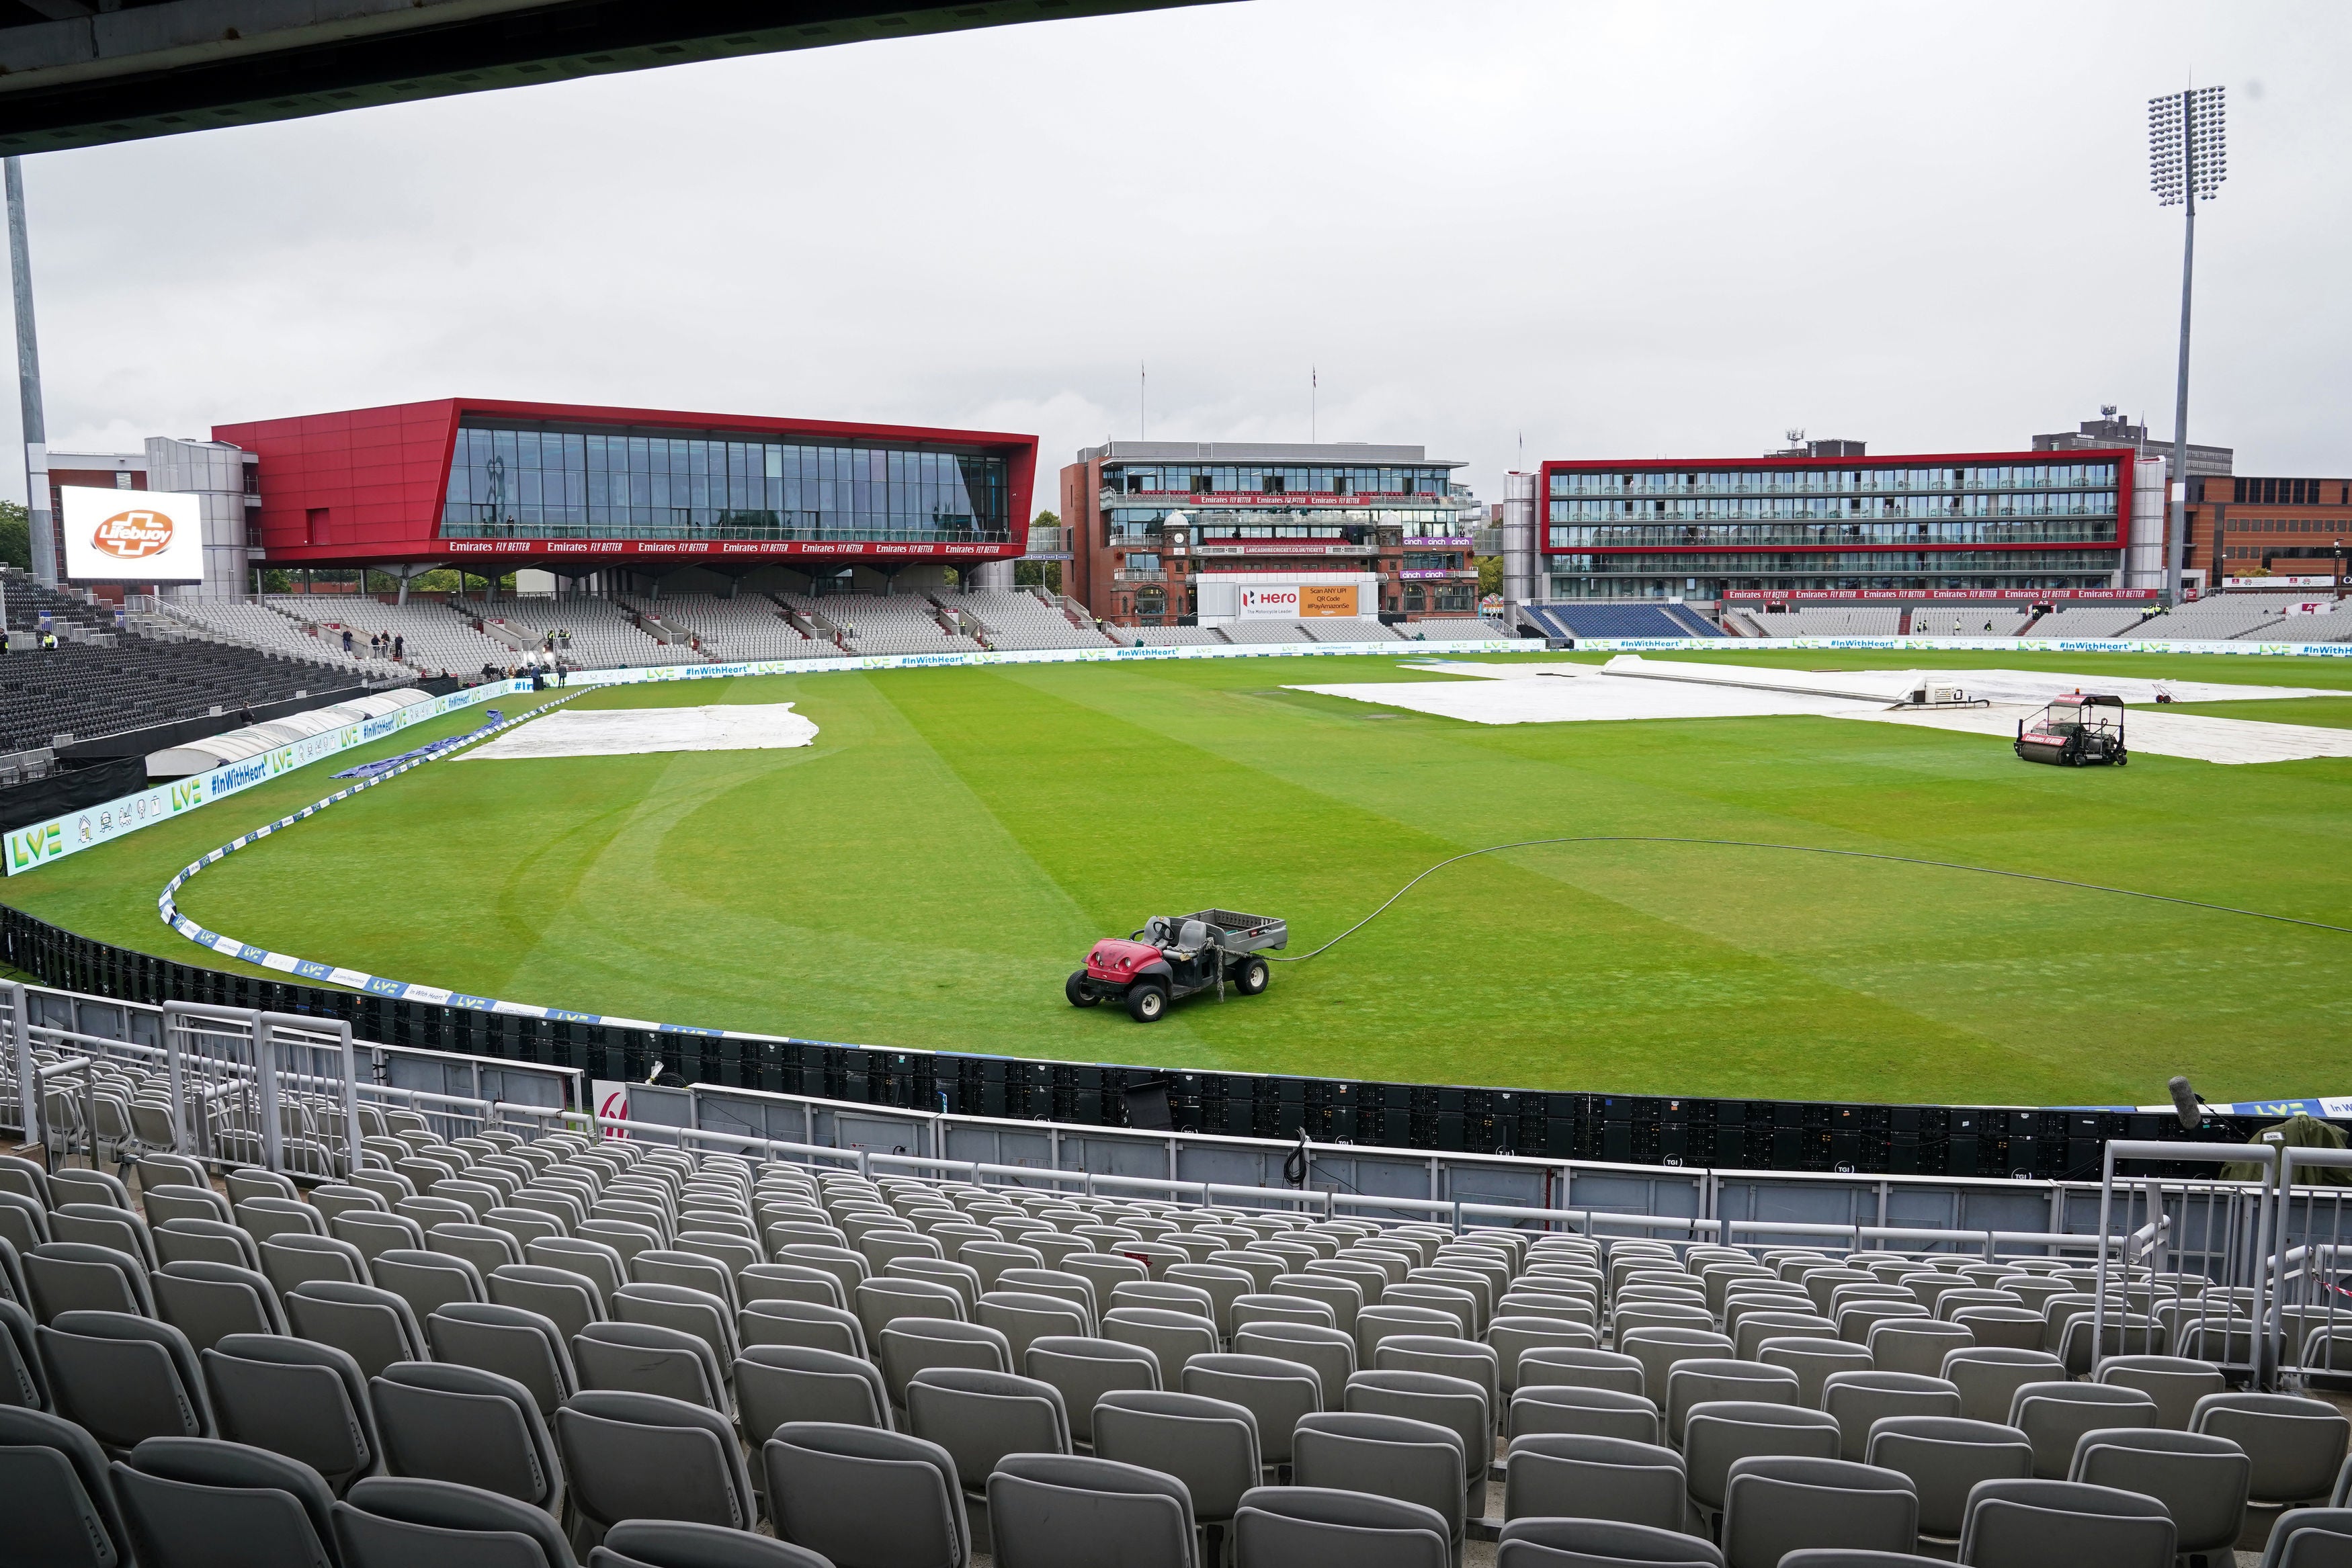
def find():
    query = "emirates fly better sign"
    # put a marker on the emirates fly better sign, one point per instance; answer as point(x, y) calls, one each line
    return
point(132, 536)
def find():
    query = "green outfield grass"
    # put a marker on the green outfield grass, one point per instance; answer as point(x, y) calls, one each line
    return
point(929, 872)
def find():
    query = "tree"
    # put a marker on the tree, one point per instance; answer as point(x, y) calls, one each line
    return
point(1046, 521)
point(1490, 574)
point(16, 536)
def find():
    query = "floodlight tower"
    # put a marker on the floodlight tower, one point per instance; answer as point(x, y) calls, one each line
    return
point(2187, 159)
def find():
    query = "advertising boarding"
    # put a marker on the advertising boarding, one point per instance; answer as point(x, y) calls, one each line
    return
point(132, 536)
point(1294, 600)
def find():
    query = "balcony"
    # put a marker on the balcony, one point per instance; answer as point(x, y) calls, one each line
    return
point(1139, 574)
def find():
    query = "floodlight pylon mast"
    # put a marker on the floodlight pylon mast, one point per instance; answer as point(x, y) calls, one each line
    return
point(2187, 157)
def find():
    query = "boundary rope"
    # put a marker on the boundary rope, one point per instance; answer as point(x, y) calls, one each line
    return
point(1806, 850)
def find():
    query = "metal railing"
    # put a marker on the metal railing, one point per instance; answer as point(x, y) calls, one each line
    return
point(2195, 1251)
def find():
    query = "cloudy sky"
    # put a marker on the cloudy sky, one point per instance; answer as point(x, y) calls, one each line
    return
point(1491, 226)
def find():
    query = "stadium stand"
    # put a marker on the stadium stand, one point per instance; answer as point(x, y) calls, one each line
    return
point(1973, 622)
point(748, 626)
point(2089, 621)
point(433, 636)
point(560, 1344)
point(884, 624)
point(71, 616)
point(250, 626)
point(84, 691)
point(602, 634)
point(2231, 615)
point(1266, 632)
point(1175, 636)
point(1350, 629)
point(1022, 619)
point(1615, 620)
point(1870, 621)
point(1450, 631)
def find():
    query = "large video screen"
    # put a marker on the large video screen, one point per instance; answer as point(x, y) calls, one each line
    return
point(132, 536)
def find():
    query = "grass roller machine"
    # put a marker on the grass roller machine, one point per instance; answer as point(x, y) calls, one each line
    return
point(2078, 730)
point(1177, 956)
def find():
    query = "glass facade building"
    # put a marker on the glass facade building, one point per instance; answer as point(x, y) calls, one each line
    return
point(512, 480)
point(2023, 520)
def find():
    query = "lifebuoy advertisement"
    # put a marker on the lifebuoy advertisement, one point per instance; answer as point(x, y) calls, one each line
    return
point(132, 536)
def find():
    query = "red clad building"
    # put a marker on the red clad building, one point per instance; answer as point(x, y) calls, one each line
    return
point(574, 490)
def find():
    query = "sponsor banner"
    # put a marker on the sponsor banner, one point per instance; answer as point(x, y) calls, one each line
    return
point(1967, 644)
point(132, 536)
point(1274, 500)
point(609, 1097)
point(1442, 541)
point(37, 845)
point(1938, 595)
point(1412, 573)
point(1317, 598)
point(2264, 583)
point(717, 547)
point(1281, 547)
point(2309, 607)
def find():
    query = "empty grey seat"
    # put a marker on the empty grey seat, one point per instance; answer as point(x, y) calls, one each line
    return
point(1313, 1527)
point(1945, 1457)
point(1551, 1365)
point(390, 1522)
point(700, 1313)
point(124, 1378)
point(2053, 1417)
point(2310, 1538)
point(641, 1456)
point(1453, 1402)
point(428, 1281)
point(207, 1300)
point(1274, 1393)
point(2203, 1480)
point(1774, 1504)
point(1700, 1382)
point(979, 1416)
point(1330, 1351)
point(786, 1283)
point(590, 1260)
point(787, 1320)
point(204, 1241)
point(2296, 1444)
point(1572, 1408)
point(1989, 1377)
point(23, 1383)
point(1389, 1456)
point(297, 1397)
point(1084, 1369)
point(777, 1383)
point(56, 1496)
point(1052, 1510)
point(509, 1341)
point(437, 1422)
point(294, 1257)
point(197, 1502)
point(909, 1345)
point(104, 1225)
point(646, 1358)
point(75, 1276)
point(865, 1497)
point(567, 1300)
point(1859, 1399)
point(2063, 1524)
point(1598, 1543)
point(376, 1326)
point(2176, 1384)
point(669, 1543)
point(1716, 1436)
point(1209, 1445)
point(1572, 1476)
point(269, 1215)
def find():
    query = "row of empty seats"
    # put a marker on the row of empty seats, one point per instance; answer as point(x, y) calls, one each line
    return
point(903, 1372)
point(884, 623)
point(1868, 620)
point(1020, 619)
point(748, 626)
point(602, 634)
point(434, 637)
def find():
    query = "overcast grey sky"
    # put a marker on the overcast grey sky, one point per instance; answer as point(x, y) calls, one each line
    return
point(1614, 230)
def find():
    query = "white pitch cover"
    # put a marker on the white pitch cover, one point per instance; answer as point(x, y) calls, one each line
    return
point(132, 536)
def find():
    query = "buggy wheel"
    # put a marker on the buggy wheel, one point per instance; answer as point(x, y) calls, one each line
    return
point(1253, 977)
point(1146, 1003)
point(2122, 758)
point(1080, 991)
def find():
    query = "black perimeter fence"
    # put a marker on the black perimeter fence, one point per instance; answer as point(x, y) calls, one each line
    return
point(1635, 1129)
